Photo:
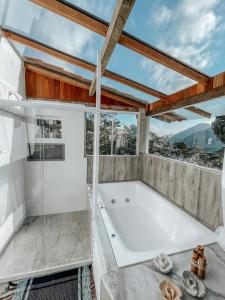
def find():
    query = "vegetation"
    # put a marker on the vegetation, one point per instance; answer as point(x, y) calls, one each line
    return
point(201, 145)
point(218, 127)
point(115, 137)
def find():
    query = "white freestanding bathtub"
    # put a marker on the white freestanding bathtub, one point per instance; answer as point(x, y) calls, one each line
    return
point(141, 224)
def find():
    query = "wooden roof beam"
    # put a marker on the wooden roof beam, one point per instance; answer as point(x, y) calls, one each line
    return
point(162, 118)
point(119, 18)
point(13, 36)
point(194, 94)
point(76, 80)
point(199, 111)
point(99, 26)
point(174, 116)
point(170, 117)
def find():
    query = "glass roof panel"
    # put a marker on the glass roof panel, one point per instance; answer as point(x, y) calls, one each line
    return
point(100, 8)
point(190, 30)
point(216, 107)
point(141, 69)
point(31, 53)
point(126, 89)
point(2, 7)
point(52, 29)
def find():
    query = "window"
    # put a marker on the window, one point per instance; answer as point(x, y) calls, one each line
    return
point(46, 152)
point(48, 129)
point(198, 141)
point(118, 134)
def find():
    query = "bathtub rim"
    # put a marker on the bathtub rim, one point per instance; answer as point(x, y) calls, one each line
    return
point(125, 257)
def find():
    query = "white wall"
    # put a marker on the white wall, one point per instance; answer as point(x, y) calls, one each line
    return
point(12, 146)
point(59, 186)
point(11, 68)
point(12, 154)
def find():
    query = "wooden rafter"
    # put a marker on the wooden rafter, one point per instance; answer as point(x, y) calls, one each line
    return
point(99, 26)
point(79, 62)
point(199, 111)
point(170, 117)
point(119, 18)
point(73, 79)
point(195, 94)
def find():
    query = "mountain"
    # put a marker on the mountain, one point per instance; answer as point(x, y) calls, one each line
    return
point(200, 135)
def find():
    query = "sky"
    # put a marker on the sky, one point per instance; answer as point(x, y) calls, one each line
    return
point(191, 30)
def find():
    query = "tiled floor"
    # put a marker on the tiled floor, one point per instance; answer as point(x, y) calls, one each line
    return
point(47, 243)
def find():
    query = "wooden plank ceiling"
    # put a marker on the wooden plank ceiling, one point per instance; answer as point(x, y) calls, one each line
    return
point(45, 81)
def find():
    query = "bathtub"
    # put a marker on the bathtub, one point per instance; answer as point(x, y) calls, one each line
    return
point(141, 224)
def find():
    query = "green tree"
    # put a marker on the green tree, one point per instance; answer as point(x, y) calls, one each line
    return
point(218, 127)
point(124, 137)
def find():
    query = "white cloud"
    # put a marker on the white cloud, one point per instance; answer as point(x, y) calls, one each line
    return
point(57, 31)
point(197, 20)
point(64, 35)
point(162, 15)
point(188, 36)
point(163, 78)
point(21, 15)
point(101, 8)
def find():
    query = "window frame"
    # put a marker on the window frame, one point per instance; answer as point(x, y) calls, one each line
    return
point(183, 161)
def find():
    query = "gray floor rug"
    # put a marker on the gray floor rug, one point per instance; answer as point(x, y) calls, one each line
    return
point(74, 284)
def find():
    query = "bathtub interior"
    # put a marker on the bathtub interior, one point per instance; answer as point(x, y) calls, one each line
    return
point(143, 221)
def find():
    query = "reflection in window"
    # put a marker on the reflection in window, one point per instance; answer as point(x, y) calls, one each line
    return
point(118, 133)
point(198, 141)
point(48, 128)
point(46, 152)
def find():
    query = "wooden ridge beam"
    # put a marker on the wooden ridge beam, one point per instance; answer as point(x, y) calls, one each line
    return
point(199, 111)
point(19, 38)
point(99, 26)
point(76, 80)
point(119, 18)
point(194, 94)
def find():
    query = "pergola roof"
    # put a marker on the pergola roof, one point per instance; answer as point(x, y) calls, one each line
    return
point(206, 87)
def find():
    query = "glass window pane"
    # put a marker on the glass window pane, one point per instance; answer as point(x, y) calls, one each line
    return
point(118, 134)
point(148, 72)
point(105, 133)
point(124, 134)
point(195, 140)
point(89, 139)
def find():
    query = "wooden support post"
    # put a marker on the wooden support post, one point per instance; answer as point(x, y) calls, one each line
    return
point(143, 132)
